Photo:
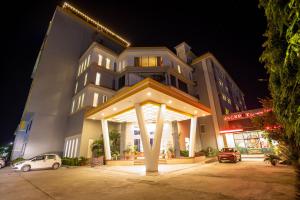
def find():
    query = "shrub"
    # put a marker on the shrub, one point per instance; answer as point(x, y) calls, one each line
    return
point(184, 153)
point(70, 161)
point(82, 161)
point(210, 152)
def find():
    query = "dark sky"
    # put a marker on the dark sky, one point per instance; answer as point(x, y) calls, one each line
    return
point(231, 30)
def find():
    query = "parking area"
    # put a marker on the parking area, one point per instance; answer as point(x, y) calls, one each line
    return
point(226, 181)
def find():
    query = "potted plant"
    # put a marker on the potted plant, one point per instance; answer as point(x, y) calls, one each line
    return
point(97, 148)
point(171, 152)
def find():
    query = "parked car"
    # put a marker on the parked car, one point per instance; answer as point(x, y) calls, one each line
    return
point(44, 161)
point(2, 162)
point(229, 154)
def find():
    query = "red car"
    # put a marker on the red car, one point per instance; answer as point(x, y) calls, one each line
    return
point(229, 154)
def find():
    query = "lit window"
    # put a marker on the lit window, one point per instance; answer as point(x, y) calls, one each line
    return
point(179, 69)
point(229, 100)
point(73, 104)
point(95, 100)
point(82, 100)
point(226, 111)
point(120, 66)
point(84, 66)
point(224, 97)
point(76, 86)
point(98, 77)
point(85, 79)
point(237, 107)
point(100, 58)
point(152, 61)
point(123, 64)
point(144, 61)
point(88, 60)
point(79, 70)
point(78, 103)
point(104, 98)
point(107, 63)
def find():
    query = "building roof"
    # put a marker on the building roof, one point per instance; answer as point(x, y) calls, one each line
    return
point(108, 32)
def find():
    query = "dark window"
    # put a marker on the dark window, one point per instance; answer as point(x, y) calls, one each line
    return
point(50, 156)
point(159, 61)
point(39, 158)
point(121, 82)
point(173, 80)
point(202, 128)
point(136, 61)
point(136, 132)
point(137, 144)
point(182, 86)
point(151, 141)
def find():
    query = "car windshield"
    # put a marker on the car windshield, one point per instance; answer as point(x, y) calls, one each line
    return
point(227, 150)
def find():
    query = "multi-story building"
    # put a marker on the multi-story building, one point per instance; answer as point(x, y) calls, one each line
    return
point(88, 81)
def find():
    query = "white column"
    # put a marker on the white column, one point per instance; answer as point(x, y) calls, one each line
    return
point(157, 136)
point(106, 139)
point(192, 136)
point(144, 137)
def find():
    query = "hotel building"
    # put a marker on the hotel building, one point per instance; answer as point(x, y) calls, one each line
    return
point(89, 81)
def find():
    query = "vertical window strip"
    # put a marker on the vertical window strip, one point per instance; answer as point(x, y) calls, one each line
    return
point(73, 104)
point(69, 149)
point(179, 69)
point(76, 146)
point(104, 98)
point(107, 63)
point(66, 148)
point(100, 58)
point(95, 99)
point(85, 79)
point(72, 148)
point(82, 100)
point(98, 78)
point(76, 86)
point(78, 103)
point(88, 60)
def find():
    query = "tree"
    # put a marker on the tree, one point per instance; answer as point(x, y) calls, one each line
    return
point(281, 57)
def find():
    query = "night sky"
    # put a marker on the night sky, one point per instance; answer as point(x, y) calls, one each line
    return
point(231, 30)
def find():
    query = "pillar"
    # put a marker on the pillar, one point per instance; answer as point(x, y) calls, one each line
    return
point(144, 137)
point(175, 135)
point(106, 139)
point(192, 136)
point(157, 136)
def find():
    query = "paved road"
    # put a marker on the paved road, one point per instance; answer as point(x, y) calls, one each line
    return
point(226, 181)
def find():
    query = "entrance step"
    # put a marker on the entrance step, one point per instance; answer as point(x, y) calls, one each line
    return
point(253, 157)
point(142, 161)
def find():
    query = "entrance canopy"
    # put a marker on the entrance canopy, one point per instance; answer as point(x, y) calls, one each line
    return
point(150, 95)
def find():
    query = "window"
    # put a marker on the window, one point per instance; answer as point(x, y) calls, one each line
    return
point(50, 157)
point(121, 82)
point(229, 100)
point(98, 77)
point(95, 100)
point(173, 81)
point(220, 83)
point(73, 104)
point(85, 62)
point(76, 146)
point(191, 76)
point(76, 86)
point(120, 66)
point(179, 69)
point(38, 158)
point(147, 61)
point(107, 63)
point(202, 128)
point(224, 97)
point(88, 60)
point(237, 108)
point(85, 79)
point(104, 98)
point(100, 58)
point(78, 103)
point(182, 86)
point(82, 100)
point(79, 70)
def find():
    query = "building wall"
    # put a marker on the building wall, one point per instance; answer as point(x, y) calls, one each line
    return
point(54, 80)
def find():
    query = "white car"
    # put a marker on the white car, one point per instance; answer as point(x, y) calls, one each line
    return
point(45, 161)
point(2, 163)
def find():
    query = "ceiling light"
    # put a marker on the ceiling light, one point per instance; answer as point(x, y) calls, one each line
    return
point(149, 93)
point(170, 101)
point(114, 108)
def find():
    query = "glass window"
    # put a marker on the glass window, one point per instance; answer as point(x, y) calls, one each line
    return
point(98, 77)
point(88, 60)
point(182, 86)
point(179, 69)
point(144, 61)
point(152, 61)
point(85, 79)
point(100, 58)
point(76, 86)
point(82, 100)
point(104, 98)
point(95, 100)
point(107, 63)
point(79, 70)
point(202, 128)
point(173, 80)
point(51, 157)
point(73, 104)
point(78, 103)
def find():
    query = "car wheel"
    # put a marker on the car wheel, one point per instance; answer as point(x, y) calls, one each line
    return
point(55, 166)
point(235, 160)
point(26, 168)
point(240, 158)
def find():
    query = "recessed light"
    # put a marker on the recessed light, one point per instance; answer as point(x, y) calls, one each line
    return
point(114, 108)
point(149, 93)
point(93, 118)
point(170, 101)
point(102, 114)
point(195, 112)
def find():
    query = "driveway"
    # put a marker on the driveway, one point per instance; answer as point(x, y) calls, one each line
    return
point(226, 181)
